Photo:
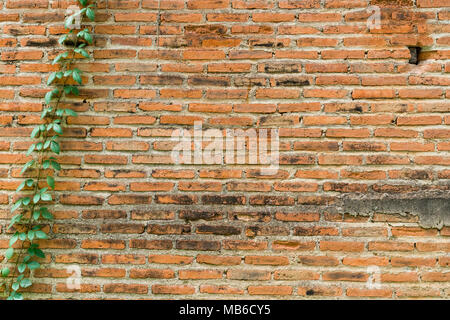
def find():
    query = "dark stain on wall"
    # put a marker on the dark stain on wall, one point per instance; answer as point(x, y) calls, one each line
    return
point(433, 209)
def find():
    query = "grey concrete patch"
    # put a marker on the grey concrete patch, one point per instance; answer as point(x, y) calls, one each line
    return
point(433, 209)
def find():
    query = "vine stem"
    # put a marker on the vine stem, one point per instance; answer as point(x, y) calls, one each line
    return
point(30, 228)
point(42, 152)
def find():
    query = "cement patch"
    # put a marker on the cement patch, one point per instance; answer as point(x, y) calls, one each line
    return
point(433, 209)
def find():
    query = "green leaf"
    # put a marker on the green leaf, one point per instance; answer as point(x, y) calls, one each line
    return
point(26, 201)
point(14, 220)
point(16, 205)
point(23, 236)
point(14, 239)
point(55, 165)
point(26, 166)
point(22, 267)
point(31, 149)
point(46, 197)
point(21, 186)
point(9, 253)
point(45, 111)
point(62, 39)
point(51, 182)
point(88, 37)
point(39, 253)
point(83, 2)
point(31, 235)
point(46, 164)
point(57, 58)
point(25, 283)
point(15, 286)
point(90, 14)
point(75, 90)
point(55, 147)
point(30, 254)
point(60, 56)
point(36, 130)
point(36, 214)
point(33, 265)
point(46, 214)
point(5, 272)
point(70, 112)
point(51, 78)
point(57, 128)
point(77, 75)
point(82, 52)
point(36, 198)
point(18, 296)
point(48, 97)
point(41, 235)
point(69, 21)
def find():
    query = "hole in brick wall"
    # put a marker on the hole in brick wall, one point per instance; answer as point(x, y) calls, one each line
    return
point(415, 52)
point(72, 40)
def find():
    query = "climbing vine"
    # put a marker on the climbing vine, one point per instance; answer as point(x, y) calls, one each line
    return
point(31, 212)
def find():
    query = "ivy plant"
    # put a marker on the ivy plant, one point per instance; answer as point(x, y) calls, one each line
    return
point(31, 214)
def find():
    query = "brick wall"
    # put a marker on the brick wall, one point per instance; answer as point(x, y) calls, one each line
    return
point(362, 188)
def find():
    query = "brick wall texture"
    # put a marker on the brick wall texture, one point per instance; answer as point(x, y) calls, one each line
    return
point(362, 190)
